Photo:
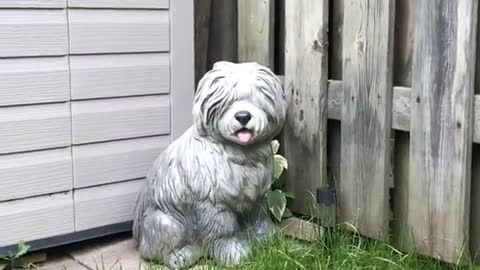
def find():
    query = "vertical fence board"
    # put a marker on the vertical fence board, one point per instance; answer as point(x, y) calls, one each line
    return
point(306, 64)
point(256, 31)
point(441, 126)
point(223, 32)
point(366, 115)
point(202, 27)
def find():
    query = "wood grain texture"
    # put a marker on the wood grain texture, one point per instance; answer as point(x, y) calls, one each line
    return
point(35, 173)
point(304, 134)
point(122, 118)
point(35, 218)
point(95, 76)
point(202, 36)
point(33, 3)
point(366, 115)
point(151, 4)
point(256, 31)
point(441, 129)
point(109, 162)
point(400, 107)
point(223, 35)
point(401, 111)
point(25, 128)
point(33, 32)
point(115, 31)
point(105, 205)
point(182, 66)
point(34, 80)
point(476, 131)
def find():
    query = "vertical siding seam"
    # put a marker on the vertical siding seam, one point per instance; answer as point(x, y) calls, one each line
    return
point(170, 30)
point(67, 11)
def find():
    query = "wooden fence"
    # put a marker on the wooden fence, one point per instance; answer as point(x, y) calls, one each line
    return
point(383, 108)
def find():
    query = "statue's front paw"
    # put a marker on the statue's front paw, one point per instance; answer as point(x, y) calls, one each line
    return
point(230, 251)
point(184, 257)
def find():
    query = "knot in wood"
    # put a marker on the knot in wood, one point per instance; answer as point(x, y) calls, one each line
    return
point(359, 42)
point(319, 46)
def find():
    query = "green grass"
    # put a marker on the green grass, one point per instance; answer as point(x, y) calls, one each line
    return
point(339, 250)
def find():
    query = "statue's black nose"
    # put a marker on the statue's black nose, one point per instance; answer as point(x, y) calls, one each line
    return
point(243, 117)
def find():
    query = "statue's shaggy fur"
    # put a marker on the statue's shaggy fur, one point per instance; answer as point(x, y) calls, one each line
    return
point(206, 191)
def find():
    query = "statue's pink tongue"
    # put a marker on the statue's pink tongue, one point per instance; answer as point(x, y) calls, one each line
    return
point(244, 136)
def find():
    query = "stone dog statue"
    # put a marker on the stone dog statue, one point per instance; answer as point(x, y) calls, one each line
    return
point(205, 193)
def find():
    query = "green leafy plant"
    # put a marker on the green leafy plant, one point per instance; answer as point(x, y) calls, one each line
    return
point(8, 262)
point(276, 198)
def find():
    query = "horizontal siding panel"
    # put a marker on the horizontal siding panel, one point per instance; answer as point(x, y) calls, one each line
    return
point(95, 76)
point(34, 80)
point(116, 31)
point(33, 32)
point(105, 205)
point(25, 128)
point(103, 163)
point(35, 173)
point(121, 118)
point(35, 218)
point(33, 3)
point(153, 4)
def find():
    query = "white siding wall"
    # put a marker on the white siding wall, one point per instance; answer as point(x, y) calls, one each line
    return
point(85, 96)
point(33, 32)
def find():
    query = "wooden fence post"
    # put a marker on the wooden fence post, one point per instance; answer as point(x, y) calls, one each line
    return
point(306, 75)
point(441, 126)
point(256, 31)
point(366, 115)
point(202, 27)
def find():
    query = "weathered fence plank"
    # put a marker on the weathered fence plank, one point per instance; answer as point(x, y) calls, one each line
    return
point(441, 127)
point(366, 115)
point(306, 64)
point(256, 31)
point(401, 111)
point(202, 27)
point(223, 32)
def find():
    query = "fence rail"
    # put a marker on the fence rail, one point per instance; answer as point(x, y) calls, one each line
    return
point(397, 89)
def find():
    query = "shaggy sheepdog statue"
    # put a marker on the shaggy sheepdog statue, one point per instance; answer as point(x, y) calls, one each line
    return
point(205, 193)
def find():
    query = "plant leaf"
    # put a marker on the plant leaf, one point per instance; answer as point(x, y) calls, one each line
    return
point(289, 195)
point(21, 250)
point(275, 146)
point(276, 202)
point(279, 164)
point(3, 266)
